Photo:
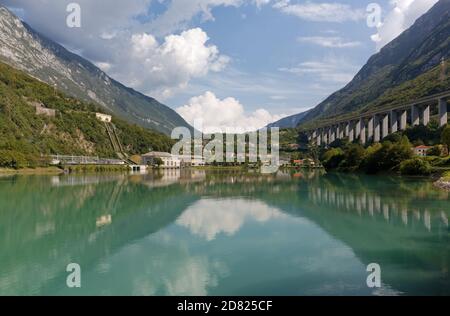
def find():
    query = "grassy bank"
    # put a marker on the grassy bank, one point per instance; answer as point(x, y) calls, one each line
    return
point(32, 171)
point(95, 169)
point(64, 169)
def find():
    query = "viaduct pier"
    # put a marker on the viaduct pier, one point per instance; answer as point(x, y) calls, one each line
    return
point(375, 125)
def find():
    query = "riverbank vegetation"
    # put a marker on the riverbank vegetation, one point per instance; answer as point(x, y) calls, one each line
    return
point(373, 159)
point(96, 168)
point(32, 171)
point(415, 166)
point(65, 169)
point(394, 154)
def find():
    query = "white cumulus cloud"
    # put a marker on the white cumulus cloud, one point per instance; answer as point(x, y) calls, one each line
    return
point(170, 65)
point(402, 15)
point(328, 41)
point(132, 44)
point(227, 115)
point(327, 70)
point(180, 13)
point(321, 12)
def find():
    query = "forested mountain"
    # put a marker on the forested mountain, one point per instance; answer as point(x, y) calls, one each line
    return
point(72, 129)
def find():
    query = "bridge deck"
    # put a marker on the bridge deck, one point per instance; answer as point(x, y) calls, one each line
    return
point(365, 115)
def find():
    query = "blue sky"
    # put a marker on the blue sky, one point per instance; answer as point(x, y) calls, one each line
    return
point(262, 42)
point(230, 62)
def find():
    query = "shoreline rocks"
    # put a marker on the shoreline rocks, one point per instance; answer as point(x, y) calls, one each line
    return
point(441, 184)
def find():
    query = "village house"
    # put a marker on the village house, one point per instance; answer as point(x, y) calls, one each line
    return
point(304, 163)
point(422, 150)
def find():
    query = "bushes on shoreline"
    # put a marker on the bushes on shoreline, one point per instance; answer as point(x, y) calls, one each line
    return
point(12, 159)
point(394, 153)
point(96, 168)
point(415, 167)
point(386, 156)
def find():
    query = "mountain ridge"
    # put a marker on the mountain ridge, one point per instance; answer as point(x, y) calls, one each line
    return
point(289, 121)
point(26, 49)
point(417, 51)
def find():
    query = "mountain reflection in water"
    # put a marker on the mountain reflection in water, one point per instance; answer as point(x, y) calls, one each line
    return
point(196, 232)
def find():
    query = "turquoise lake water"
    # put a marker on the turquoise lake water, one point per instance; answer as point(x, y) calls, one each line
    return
point(223, 233)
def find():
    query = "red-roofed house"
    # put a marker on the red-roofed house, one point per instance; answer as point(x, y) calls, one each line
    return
point(304, 162)
point(422, 150)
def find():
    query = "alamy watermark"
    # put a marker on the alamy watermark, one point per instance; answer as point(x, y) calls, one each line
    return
point(73, 280)
point(373, 10)
point(374, 278)
point(374, 13)
point(74, 17)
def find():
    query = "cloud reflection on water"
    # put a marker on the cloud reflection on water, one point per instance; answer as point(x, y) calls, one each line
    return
point(208, 218)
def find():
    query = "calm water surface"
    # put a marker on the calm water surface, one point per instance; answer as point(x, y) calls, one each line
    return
point(223, 233)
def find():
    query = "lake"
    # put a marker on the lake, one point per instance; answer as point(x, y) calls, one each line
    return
point(196, 232)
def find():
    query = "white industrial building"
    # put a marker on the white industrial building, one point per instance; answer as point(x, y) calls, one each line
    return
point(103, 117)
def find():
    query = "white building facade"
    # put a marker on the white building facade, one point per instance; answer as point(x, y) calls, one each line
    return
point(103, 117)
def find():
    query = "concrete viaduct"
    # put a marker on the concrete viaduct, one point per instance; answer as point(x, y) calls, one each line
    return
point(375, 125)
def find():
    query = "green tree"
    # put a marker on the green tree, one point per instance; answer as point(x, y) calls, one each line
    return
point(399, 152)
point(353, 157)
point(339, 143)
point(388, 156)
point(158, 162)
point(424, 135)
point(332, 158)
point(415, 166)
point(12, 159)
point(313, 152)
point(445, 137)
point(394, 138)
point(435, 151)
